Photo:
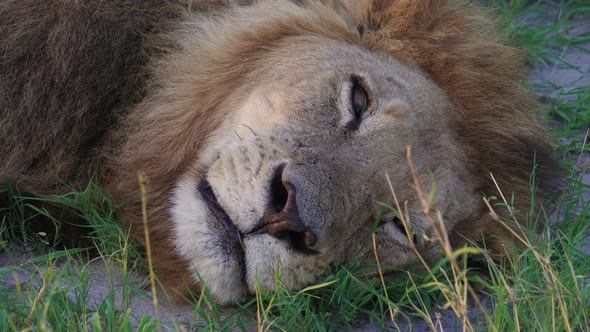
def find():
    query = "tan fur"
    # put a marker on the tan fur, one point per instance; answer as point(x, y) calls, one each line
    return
point(206, 62)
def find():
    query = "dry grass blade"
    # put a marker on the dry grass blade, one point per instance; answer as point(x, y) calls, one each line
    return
point(391, 312)
point(142, 185)
point(38, 296)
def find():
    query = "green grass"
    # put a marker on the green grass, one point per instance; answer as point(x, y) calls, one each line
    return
point(546, 39)
point(546, 286)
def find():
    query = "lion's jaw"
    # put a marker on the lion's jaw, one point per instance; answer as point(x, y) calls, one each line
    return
point(298, 122)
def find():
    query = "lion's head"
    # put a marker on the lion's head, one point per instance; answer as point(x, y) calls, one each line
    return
point(273, 126)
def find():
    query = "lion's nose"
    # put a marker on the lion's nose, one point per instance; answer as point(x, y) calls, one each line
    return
point(281, 217)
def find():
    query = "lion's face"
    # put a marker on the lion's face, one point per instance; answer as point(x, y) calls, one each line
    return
point(292, 179)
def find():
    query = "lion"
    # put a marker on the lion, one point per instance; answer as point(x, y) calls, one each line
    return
point(270, 132)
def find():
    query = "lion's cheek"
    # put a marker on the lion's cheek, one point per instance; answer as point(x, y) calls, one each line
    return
point(267, 258)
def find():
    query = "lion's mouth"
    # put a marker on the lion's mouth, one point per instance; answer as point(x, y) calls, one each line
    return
point(210, 199)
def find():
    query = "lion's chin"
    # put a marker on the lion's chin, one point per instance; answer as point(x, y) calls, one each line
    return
point(268, 258)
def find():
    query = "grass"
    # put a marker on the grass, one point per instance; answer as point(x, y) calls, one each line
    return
point(546, 286)
point(546, 38)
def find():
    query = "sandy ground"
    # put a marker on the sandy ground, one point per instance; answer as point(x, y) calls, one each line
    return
point(101, 279)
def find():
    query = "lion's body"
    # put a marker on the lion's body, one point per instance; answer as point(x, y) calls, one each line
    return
point(113, 88)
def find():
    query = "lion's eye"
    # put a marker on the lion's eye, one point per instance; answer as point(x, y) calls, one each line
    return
point(359, 98)
point(359, 102)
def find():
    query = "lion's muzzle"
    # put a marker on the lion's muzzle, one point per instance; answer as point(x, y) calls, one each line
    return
point(210, 200)
point(281, 217)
